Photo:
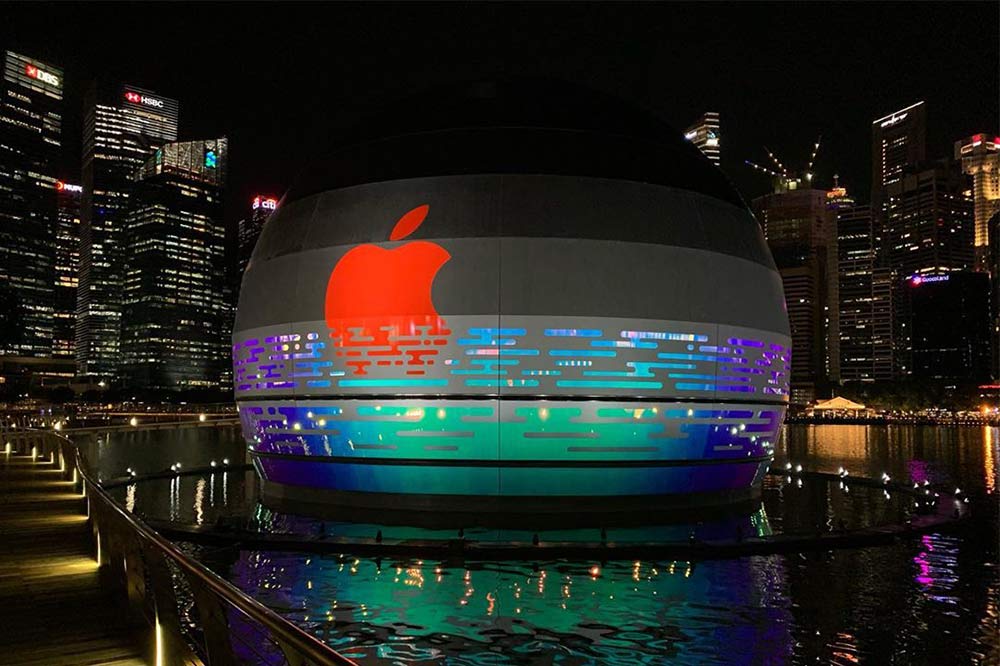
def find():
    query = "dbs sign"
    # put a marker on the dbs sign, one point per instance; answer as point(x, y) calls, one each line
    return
point(378, 302)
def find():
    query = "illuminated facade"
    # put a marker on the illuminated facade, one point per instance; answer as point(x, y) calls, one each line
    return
point(898, 141)
point(250, 227)
point(30, 140)
point(175, 305)
point(801, 231)
point(705, 133)
point(928, 231)
point(864, 294)
point(457, 321)
point(929, 220)
point(123, 127)
point(980, 158)
point(67, 265)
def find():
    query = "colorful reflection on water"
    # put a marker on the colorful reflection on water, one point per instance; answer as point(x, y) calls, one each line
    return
point(544, 612)
point(924, 601)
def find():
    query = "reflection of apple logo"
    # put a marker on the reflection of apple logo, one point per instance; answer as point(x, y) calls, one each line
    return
point(378, 301)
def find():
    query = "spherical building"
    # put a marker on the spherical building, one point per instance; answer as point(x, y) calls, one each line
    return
point(512, 296)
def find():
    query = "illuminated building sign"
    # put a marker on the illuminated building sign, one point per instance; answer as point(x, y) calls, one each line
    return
point(991, 145)
point(146, 100)
point(211, 159)
point(266, 203)
point(893, 120)
point(837, 193)
point(41, 75)
point(917, 280)
point(66, 187)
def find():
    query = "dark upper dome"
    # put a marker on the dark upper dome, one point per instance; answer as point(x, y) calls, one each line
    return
point(524, 126)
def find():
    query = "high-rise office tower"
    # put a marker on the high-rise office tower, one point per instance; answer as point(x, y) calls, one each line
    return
point(67, 265)
point(980, 158)
point(951, 326)
point(994, 268)
point(898, 140)
point(175, 307)
point(250, 227)
point(864, 293)
point(31, 99)
point(801, 232)
point(929, 219)
point(123, 126)
point(705, 133)
point(928, 232)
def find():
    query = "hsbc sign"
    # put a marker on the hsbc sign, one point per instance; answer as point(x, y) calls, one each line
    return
point(145, 100)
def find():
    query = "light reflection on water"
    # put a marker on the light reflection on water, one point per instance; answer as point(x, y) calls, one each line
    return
point(929, 600)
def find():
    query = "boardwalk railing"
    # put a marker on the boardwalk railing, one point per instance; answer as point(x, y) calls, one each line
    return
point(189, 614)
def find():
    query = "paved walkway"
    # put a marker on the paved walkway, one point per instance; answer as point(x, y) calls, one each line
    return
point(53, 609)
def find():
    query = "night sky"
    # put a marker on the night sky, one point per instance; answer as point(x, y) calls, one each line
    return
point(283, 81)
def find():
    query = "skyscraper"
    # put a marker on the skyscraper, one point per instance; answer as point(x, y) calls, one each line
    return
point(123, 126)
point(67, 252)
point(250, 227)
point(31, 96)
point(898, 140)
point(929, 219)
point(864, 293)
point(705, 134)
point(175, 309)
point(980, 158)
point(801, 231)
point(928, 232)
point(951, 326)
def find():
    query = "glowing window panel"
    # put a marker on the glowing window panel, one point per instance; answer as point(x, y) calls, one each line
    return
point(391, 382)
point(574, 383)
point(582, 352)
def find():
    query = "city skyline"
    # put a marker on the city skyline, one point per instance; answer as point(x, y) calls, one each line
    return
point(288, 96)
point(130, 111)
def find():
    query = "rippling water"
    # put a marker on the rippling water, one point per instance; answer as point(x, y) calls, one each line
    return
point(931, 600)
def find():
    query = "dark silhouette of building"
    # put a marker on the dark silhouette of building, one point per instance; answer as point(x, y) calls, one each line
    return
point(801, 231)
point(174, 333)
point(250, 227)
point(31, 100)
point(951, 326)
point(123, 126)
point(929, 231)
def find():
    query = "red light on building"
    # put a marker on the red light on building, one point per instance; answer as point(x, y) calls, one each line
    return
point(133, 97)
point(31, 71)
point(60, 185)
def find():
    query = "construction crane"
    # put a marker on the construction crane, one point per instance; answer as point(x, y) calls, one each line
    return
point(781, 179)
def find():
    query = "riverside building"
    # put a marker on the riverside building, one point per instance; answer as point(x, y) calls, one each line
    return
point(123, 127)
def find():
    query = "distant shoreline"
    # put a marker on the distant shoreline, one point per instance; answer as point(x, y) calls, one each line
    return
point(890, 420)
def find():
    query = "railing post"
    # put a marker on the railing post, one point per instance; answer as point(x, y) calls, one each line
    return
point(214, 625)
point(166, 624)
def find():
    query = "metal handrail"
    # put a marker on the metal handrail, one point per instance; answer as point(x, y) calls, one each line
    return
point(287, 634)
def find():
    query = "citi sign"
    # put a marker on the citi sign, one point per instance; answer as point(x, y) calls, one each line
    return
point(136, 98)
point(267, 204)
point(41, 75)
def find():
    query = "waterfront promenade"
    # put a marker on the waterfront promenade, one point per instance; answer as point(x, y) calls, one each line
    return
point(54, 609)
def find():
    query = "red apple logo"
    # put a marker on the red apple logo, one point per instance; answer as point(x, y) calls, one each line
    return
point(378, 302)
